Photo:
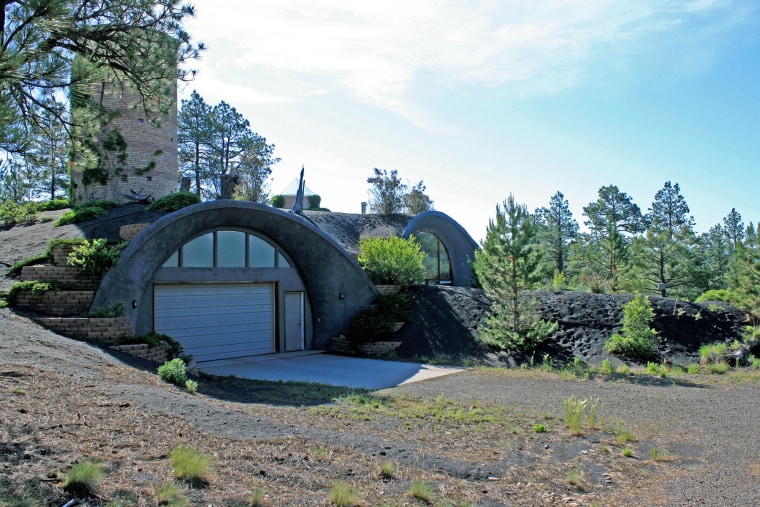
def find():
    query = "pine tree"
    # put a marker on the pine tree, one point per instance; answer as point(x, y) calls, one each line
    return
point(661, 259)
point(744, 273)
point(507, 265)
point(558, 229)
point(612, 220)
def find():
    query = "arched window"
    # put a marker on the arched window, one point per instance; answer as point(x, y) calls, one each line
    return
point(437, 263)
point(227, 249)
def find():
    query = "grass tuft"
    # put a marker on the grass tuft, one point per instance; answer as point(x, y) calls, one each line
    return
point(421, 490)
point(343, 494)
point(83, 479)
point(189, 465)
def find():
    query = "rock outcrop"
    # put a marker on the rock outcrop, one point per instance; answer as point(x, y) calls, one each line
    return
point(445, 322)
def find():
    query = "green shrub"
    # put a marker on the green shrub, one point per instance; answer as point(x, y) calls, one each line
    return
point(53, 205)
point(12, 213)
point(278, 201)
point(16, 268)
point(174, 202)
point(174, 371)
point(95, 257)
point(118, 309)
point(376, 323)
point(693, 369)
point(190, 465)
point(36, 288)
point(393, 260)
point(724, 295)
point(539, 428)
point(637, 340)
point(83, 478)
point(86, 211)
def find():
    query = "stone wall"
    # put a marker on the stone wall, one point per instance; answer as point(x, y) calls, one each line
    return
point(61, 303)
point(62, 274)
point(156, 354)
point(105, 330)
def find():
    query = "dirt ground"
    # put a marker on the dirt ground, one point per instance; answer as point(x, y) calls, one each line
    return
point(469, 437)
point(472, 438)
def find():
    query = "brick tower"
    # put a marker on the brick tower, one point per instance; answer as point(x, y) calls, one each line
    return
point(136, 155)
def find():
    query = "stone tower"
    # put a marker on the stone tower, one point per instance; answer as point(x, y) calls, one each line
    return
point(136, 157)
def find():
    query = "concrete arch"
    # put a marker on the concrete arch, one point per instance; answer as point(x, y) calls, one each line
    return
point(337, 287)
point(459, 244)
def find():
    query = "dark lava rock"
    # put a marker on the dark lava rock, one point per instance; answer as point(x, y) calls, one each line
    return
point(445, 323)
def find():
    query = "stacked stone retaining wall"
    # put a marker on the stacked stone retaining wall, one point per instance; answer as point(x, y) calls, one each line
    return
point(61, 303)
point(156, 354)
point(105, 330)
point(63, 274)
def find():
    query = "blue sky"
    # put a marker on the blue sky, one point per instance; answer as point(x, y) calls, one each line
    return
point(481, 99)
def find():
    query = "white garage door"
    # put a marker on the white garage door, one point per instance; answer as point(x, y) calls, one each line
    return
point(217, 321)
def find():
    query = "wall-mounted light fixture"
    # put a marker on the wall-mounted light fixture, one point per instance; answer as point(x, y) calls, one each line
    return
point(134, 303)
point(341, 296)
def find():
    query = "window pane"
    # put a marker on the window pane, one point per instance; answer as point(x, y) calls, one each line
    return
point(282, 262)
point(173, 261)
point(445, 274)
point(230, 249)
point(261, 253)
point(199, 253)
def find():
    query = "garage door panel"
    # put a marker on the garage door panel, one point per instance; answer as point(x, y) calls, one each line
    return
point(217, 321)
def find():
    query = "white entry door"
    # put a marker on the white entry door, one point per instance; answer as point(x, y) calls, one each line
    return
point(294, 332)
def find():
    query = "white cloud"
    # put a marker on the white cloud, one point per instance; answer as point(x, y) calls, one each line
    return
point(378, 51)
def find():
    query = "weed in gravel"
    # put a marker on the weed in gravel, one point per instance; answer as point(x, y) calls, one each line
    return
point(574, 412)
point(623, 436)
point(421, 490)
point(83, 478)
point(717, 368)
point(574, 477)
point(18, 391)
point(655, 454)
point(539, 428)
point(387, 470)
point(171, 495)
point(319, 450)
point(627, 452)
point(189, 465)
point(191, 386)
point(28, 497)
point(343, 494)
point(693, 369)
point(606, 367)
point(257, 498)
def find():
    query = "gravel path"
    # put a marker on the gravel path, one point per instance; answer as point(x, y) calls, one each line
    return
point(713, 425)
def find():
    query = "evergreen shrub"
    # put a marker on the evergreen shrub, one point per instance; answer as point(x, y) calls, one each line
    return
point(174, 201)
point(637, 339)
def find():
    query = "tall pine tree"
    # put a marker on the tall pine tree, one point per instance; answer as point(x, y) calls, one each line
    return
point(507, 265)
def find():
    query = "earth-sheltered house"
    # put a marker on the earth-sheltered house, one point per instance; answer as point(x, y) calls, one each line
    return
point(233, 279)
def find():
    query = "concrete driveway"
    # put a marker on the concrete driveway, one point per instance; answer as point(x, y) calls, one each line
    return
point(328, 369)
